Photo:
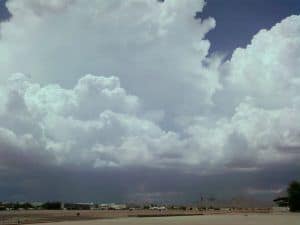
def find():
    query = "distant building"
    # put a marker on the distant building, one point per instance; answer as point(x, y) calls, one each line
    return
point(112, 206)
point(117, 206)
point(282, 204)
point(281, 201)
point(160, 208)
point(37, 205)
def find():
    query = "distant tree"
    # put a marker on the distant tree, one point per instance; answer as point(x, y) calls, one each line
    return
point(16, 206)
point(2, 207)
point(146, 207)
point(51, 205)
point(294, 196)
point(182, 207)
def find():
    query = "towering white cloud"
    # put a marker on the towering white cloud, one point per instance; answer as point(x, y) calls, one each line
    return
point(159, 100)
point(268, 68)
point(262, 83)
point(147, 44)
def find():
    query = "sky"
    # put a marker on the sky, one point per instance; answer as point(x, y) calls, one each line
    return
point(157, 101)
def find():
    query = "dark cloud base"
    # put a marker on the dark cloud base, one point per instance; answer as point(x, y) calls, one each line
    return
point(42, 183)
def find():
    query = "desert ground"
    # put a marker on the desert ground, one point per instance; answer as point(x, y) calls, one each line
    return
point(241, 219)
point(147, 217)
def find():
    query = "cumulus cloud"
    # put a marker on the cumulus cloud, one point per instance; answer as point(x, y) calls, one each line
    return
point(267, 68)
point(96, 123)
point(158, 100)
point(266, 75)
point(146, 44)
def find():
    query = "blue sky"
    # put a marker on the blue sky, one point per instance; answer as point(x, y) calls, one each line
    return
point(239, 20)
point(4, 13)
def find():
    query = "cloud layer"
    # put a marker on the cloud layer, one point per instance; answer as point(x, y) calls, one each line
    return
point(118, 85)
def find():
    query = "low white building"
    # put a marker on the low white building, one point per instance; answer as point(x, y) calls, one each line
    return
point(112, 206)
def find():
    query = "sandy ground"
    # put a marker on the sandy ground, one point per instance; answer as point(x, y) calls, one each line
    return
point(243, 219)
point(148, 217)
point(41, 216)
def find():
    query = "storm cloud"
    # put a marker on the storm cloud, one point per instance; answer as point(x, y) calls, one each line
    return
point(122, 99)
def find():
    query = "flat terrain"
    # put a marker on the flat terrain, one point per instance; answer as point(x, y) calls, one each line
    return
point(252, 219)
point(42, 216)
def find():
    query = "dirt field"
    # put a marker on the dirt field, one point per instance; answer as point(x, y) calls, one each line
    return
point(253, 219)
point(42, 216)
